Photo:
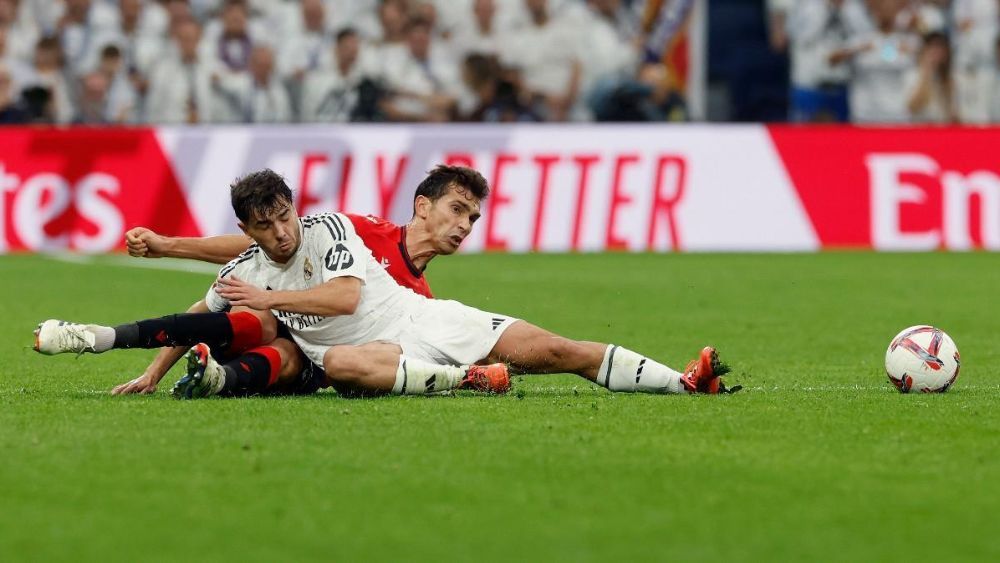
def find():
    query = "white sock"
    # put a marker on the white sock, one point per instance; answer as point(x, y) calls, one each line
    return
point(104, 337)
point(417, 377)
point(625, 371)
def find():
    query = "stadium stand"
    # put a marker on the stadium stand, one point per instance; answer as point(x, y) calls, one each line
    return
point(275, 61)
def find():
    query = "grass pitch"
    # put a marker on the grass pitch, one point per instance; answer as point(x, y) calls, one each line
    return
point(819, 458)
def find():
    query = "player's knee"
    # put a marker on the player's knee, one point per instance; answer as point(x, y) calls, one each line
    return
point(268, 326)
point(291, 360)
point(341, 366)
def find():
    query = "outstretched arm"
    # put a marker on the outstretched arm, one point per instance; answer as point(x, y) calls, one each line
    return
point(145, 243)
point(339, 296)
point(161, 364)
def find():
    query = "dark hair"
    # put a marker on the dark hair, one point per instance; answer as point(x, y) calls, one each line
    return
point(940, 38)
point(481, 69)
point(110, 51)
point(258, 194)
point(345, 33)
point(443, 177)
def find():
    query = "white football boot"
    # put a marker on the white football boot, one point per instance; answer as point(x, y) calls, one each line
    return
point(205, 377)
point(61, 337)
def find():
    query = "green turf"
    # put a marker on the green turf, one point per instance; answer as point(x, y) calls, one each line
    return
point(818, 459)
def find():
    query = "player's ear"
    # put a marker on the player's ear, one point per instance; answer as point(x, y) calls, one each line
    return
point(421, 206)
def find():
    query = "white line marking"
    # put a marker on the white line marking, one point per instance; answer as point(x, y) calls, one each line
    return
point(170, 264)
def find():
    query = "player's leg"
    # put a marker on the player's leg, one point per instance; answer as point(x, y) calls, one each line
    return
point(258, 370)
point(531, 349)
point(527, 348)
point(237, 330)
point(380, 368)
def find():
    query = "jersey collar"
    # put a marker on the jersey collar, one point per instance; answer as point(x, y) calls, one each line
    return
point(406, 255)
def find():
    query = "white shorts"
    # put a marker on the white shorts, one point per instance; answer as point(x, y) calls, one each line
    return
point(448, 332)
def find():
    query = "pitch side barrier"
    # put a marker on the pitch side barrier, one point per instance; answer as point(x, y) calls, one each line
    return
point(555, 188)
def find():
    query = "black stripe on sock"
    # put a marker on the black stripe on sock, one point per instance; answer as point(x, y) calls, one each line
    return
point(611, 362)
point(638, 372)
point(403, 392)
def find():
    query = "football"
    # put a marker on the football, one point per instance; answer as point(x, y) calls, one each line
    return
point(922, 359)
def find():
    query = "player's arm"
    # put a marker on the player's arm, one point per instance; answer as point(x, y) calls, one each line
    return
point(143, 242)
point(338, 296)
point(161, 364)
point(342, 271)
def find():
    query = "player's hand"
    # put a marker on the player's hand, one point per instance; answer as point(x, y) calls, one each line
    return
point(144, 384)
point(144, 243)
point(242, 294)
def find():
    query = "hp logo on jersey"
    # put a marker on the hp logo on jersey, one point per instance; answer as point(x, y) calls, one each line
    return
point(338, 258)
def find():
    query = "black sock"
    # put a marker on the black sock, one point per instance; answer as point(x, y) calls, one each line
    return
point(248, 374)
point(186, 329)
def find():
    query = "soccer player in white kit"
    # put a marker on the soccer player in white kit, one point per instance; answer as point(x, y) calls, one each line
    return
point(370, 335)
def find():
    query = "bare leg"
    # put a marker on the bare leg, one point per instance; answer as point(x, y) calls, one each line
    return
point(531, 349)
point(379, 368)
point(369, 369)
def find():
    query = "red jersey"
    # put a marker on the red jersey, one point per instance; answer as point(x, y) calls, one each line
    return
point(387, 241)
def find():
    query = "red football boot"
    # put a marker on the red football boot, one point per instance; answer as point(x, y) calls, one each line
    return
point(493, 378)
point(702, 375)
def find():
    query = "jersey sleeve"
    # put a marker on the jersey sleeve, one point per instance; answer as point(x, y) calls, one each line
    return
point(218, 303)
point(342, 251)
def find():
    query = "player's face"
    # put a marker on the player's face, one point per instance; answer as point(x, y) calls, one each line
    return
point(451, 217)
point(277, 232)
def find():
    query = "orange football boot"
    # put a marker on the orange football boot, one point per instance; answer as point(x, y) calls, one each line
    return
point(702, 375)
point(492, 378)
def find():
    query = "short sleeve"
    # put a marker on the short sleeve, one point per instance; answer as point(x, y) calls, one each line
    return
point(216, 302)
point(342, 250)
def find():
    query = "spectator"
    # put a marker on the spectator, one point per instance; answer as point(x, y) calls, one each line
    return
point(307, 47)
point(817, 29)
point(177, 11)
point(230, 39)
point(122, 99)
point(422, 83)
point(612, 49)
point(497, 98)
point(392, 19)
point(929, 86)
point(11, 111)
point(923, 16)
point(974, 34)
point(141, 32)
point(879, 62)
point(93, 108)
point(46, 73)
point(180, 85)
point(257, 96)
point(83, 28)
point(332, 94)
point(482, 35)
point(18, 39)
point(651, 96)
point(546, 55)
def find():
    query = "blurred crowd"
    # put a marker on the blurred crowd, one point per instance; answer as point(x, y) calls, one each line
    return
point(890, 61)
point(280, 61)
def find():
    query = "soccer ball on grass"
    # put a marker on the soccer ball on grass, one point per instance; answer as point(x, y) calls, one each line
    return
point(922, 359)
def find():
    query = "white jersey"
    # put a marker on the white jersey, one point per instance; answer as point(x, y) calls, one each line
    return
point(329, 248)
